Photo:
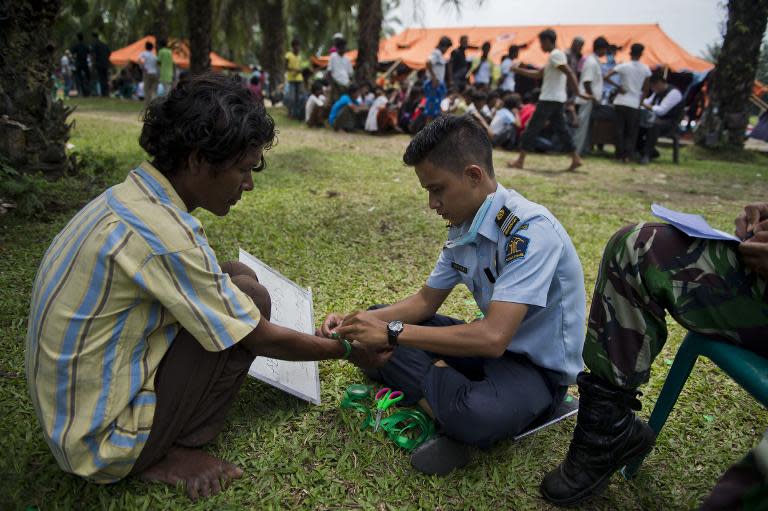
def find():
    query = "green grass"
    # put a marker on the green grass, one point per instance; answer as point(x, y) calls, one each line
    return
point(375, 240)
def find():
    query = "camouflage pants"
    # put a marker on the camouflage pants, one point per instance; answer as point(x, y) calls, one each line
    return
point(650, 269)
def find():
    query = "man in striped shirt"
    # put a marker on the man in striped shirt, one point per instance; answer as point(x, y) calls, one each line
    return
point(138, 339)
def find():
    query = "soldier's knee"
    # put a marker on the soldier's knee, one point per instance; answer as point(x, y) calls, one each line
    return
point(257, 292)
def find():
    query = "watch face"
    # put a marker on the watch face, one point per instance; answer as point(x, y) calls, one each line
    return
point(396, 326)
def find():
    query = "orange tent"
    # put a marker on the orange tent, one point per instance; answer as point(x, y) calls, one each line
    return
point(179, 48)
point(413, 45)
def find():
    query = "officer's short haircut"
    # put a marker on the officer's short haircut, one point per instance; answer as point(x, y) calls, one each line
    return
point(451, 142)
point(548, 34)
point(636, 50)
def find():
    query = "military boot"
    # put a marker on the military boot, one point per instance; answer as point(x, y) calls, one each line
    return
point(607, 436)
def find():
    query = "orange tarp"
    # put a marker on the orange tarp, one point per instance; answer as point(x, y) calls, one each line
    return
point(414, 45)
point(179, 48)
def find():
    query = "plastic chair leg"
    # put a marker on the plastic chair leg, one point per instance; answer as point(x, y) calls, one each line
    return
point(676, 150)
point(678, 374)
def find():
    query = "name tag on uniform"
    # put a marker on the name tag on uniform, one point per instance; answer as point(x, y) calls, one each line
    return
point(458, 267)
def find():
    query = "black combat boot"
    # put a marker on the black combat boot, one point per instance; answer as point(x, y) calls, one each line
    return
point(607, 437)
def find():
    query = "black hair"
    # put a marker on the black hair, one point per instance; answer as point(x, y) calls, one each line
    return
point(210, 113)
point(514, 51)
point(486, 44)
point(451, 142)
point(478, 95)
point(445, 42)
point(657, 76)
point(548, 34)
point(162, 43)
point(636, 50)
point(511, 101)
point(599, 43)
point(353, 88)
point(148, 45)
point(295, 40)
point(317, 87)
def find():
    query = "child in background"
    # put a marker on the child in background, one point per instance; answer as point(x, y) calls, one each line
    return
point(314, 109)
point(379, 103)
point(504, 126)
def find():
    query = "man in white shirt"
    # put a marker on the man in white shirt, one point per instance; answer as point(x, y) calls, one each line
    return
point(634, 87)
point(666, 104)
point(507, 75)
point(339, 69)
point(590, 82)
point(434, 85)
point(314, 108)
point(483, 69)
point(151, 72)
point(551, 107)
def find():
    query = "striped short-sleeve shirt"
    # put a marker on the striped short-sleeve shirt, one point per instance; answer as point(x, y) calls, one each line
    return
point(112, 291)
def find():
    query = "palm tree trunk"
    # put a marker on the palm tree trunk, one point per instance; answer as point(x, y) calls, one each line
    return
point(725, 119)
point(33, 126)
point(272, 24)
point(160, 24)
point(199, 14)
point(369, 18)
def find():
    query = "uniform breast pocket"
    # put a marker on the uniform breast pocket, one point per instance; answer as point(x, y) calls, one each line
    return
point(468, 280)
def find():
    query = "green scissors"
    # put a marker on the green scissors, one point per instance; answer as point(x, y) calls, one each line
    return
point(384, 399)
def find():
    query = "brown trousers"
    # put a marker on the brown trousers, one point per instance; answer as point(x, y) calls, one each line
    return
point(195, 388)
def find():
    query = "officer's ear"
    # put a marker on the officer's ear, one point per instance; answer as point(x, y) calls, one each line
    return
point(474, 174)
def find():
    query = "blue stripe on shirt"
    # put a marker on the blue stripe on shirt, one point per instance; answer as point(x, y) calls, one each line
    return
point(84, 311)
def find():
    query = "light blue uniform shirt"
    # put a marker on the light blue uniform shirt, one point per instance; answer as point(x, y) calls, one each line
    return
point(533, 261)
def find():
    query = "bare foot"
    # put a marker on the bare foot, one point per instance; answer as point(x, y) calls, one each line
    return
point(517, 164)
point(201, 474)
point(575, 163)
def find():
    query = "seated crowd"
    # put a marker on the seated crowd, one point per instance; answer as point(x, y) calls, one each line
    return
point(635, 106)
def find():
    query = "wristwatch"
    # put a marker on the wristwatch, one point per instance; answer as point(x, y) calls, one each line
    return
point(394, 328)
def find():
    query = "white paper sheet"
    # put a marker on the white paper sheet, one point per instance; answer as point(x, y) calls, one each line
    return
point(291, 308)
point(692, 225)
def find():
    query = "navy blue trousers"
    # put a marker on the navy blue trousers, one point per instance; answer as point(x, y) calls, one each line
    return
point(477, 401)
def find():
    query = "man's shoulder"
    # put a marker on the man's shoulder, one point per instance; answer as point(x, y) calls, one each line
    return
point(164, 227)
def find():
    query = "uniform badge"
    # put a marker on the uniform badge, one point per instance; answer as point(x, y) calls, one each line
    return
point(509, 224)
point(517, 246)
point(458, 267)
point(523, 227)
point(502, 215)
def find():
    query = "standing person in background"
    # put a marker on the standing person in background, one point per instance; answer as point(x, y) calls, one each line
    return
point(434, 85)
point(507, 79)
point(149, 70)
point(575, 55)
point(482, 68)
point(82, 73)
point(591, 83)
point(165, 60)
point(66, 72)
point(551, 107)
point(339, 69)
point(634, 87)
point(100, 53)
point(606, 67)
point(458, 65)
point(294, 81)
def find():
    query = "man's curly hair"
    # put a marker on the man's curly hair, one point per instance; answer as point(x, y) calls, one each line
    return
point(211, 113)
